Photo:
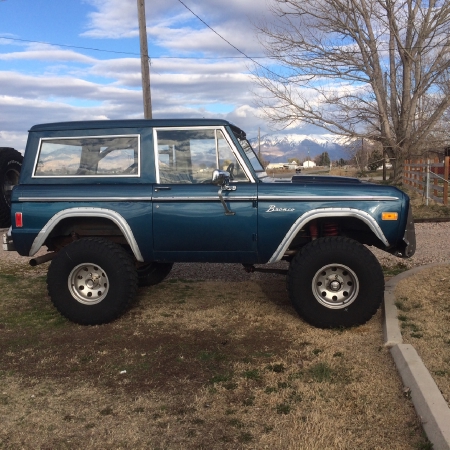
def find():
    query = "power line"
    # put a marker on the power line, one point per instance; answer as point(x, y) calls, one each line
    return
point(244, 56)
point(69, 46)
point(130, 53)
point(445, 44)
point(225, 40)
point(212, 58)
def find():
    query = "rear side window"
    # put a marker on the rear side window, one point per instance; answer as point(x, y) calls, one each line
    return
point(105, 156)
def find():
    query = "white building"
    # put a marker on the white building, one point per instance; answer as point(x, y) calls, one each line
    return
point(275, 166)
point(309, 164)
point(287, 166)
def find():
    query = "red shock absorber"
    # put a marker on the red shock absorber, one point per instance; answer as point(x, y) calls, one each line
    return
point(330, 229)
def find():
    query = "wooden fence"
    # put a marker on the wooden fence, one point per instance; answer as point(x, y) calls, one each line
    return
point(429, 178)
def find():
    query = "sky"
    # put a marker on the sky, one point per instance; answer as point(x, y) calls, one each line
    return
point(63, 60)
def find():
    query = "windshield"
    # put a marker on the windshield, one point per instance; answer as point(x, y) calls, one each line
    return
point(251, 155)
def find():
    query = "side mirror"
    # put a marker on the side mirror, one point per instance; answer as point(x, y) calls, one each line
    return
point(221, 178)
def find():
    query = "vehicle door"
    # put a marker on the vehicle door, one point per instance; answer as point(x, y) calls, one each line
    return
point(190, 223)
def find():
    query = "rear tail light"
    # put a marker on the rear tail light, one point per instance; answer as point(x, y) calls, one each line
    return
point(19, 220)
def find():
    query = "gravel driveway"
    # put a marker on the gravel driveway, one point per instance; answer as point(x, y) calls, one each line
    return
point(432, 246)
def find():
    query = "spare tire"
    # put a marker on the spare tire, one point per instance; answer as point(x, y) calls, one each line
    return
point(10, 165)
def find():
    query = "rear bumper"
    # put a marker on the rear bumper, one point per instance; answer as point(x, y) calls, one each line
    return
point(8, 244)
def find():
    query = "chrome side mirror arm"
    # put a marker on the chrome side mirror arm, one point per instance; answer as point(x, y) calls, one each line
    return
point(221, 178)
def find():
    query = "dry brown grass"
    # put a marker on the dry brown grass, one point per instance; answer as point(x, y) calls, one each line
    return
point(424, 313)
point(423, 211)
point(344, 172)
point(208, 365)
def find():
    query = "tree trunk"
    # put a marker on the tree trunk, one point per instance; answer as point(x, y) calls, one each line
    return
point(399, 163)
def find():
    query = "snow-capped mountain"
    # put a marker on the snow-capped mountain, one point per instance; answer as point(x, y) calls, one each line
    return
point(279, 147)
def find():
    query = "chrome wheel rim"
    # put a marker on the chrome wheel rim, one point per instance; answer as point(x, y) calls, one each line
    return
point(335, 286)
point(88, 284)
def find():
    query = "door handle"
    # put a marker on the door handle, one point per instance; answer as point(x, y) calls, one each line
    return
point(162, 188)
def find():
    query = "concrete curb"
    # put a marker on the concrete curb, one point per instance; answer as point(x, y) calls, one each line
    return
point(426, 396)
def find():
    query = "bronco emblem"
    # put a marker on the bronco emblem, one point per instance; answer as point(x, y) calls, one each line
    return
point(273, 208)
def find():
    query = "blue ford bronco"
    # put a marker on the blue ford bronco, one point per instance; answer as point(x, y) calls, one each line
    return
point(116, 203)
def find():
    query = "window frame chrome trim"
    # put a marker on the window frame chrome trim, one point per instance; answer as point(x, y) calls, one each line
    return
point(41, 140)
point(204, 199)
point(134, 199)
point(233, 147)
point(326, 213)
point(84, 199)
point(87, 212)
point(216, 137)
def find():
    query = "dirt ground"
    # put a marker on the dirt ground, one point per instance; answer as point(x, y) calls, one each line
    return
point(194, 365)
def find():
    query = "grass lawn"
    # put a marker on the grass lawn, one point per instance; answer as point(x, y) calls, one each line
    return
point(201, 365)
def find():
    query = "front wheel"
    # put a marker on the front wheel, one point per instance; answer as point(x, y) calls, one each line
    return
point(92, 281)
point(335, 282)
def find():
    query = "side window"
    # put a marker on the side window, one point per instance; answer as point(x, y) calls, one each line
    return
point(88, 156)
point(191, 156)
point(227, 160)
point(186, 156)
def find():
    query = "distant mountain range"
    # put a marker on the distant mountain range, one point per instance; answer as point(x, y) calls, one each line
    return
point(277, 148)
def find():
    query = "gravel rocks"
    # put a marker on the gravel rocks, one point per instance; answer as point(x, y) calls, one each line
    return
point(432, 246)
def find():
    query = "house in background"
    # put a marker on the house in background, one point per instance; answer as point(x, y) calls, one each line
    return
point(286, 166)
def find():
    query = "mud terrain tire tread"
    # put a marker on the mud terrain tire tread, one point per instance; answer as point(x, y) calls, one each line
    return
point(335, 250)
point(153, 273)
point(115, 262)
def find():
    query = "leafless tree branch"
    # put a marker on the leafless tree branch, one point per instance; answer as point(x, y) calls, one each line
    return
point(374, 69)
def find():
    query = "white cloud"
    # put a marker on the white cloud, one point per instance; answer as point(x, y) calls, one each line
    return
point(47, 53)
point(13, 139)
point(171, 26)
point(48, 83)
point(185, 40)
point(28, 86)
point(113, 19)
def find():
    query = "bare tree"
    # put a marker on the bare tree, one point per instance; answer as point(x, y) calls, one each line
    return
point(359, 154)
point(373, 69)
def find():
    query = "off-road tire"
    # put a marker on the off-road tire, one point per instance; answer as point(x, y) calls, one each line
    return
point(10, 166)
point(335, 282)
point(92, 281)
point(153, 273)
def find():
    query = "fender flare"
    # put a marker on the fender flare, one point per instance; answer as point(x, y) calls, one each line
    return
point(323, 213)
point(88, 212)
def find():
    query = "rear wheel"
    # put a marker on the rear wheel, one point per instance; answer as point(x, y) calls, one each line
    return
point(92, 281)
point(335, 282)
point(153, 273)
point(10, 166)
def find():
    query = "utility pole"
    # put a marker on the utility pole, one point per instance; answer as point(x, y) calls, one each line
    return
point(145, 70)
